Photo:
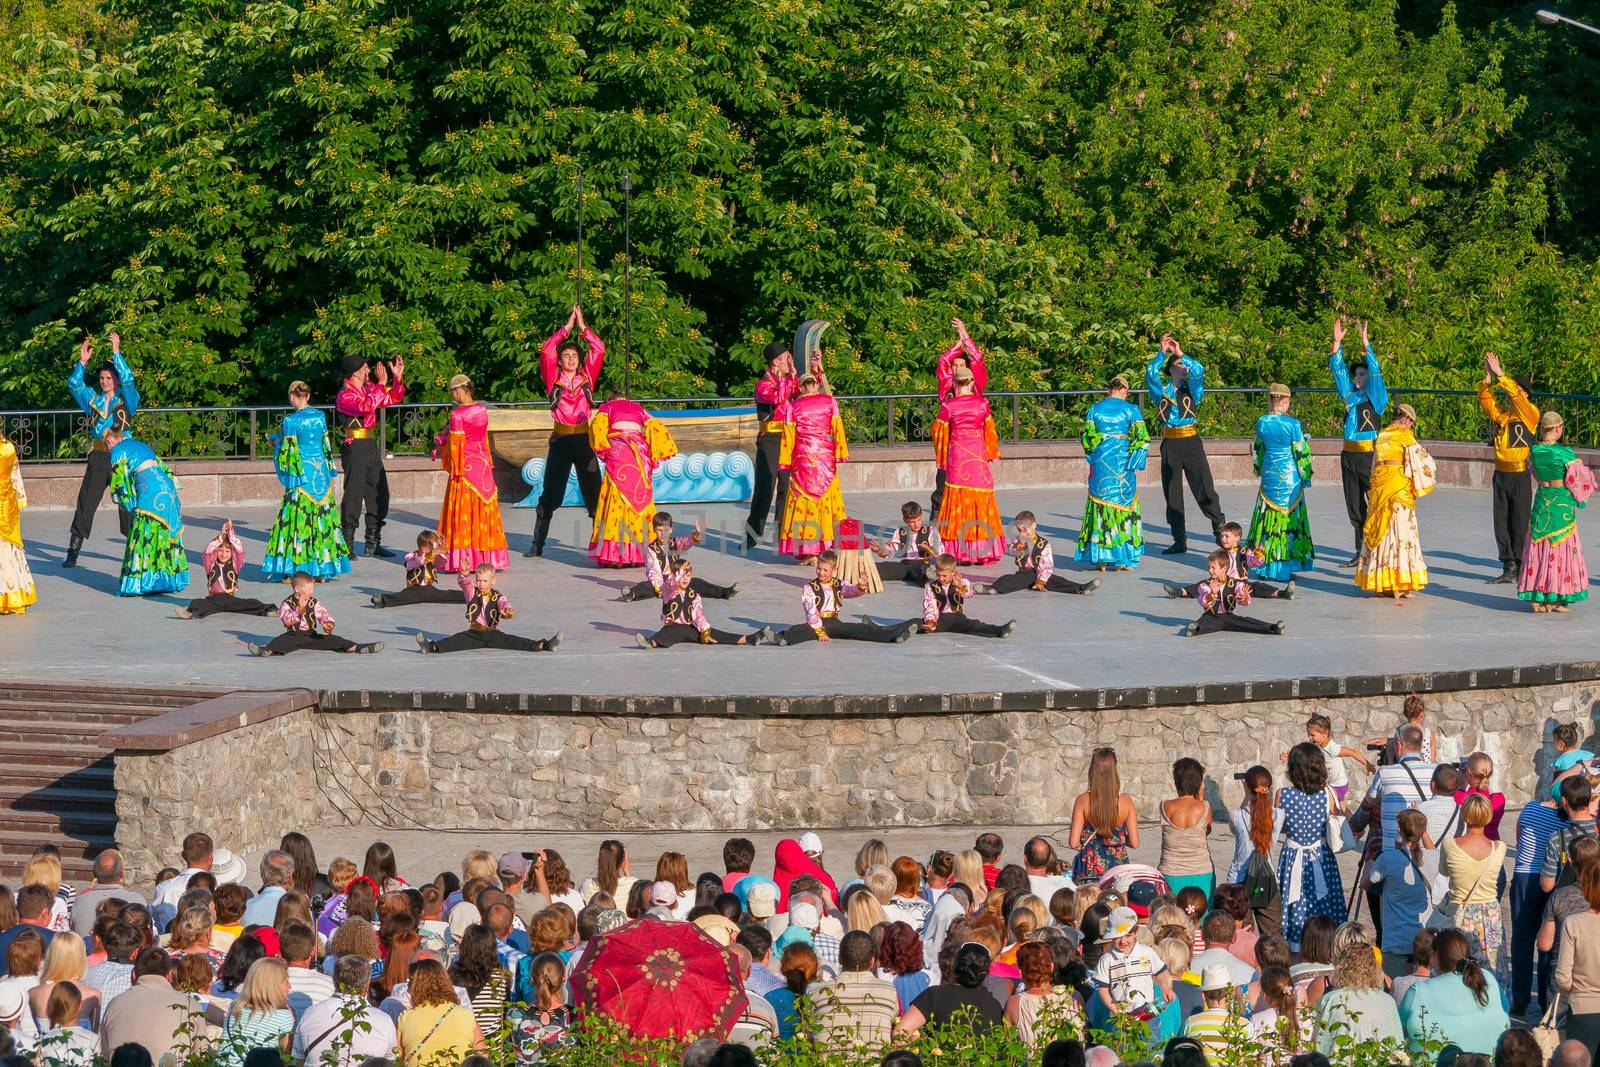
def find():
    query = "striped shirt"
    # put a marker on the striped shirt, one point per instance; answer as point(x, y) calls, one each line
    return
point(1216, 1029)
point(1399, 786)
point(1535, 824)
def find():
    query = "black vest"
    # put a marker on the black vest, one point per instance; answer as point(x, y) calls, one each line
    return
point(1028, 558)
point(679, 608)
point(489, 606)
point(227, 573)
point(838, 597)
point(947, 597)
point(422, 574)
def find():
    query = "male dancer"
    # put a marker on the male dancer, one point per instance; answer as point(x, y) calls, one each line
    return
point(366, 483)
point(1515, 430)
point(224, 558)
point(1178, 397)
point(570, 378)
point(777, 387)
point(118, 394)
point(1365, 398)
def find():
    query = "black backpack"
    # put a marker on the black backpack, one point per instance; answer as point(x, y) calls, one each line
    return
point(1260, 882)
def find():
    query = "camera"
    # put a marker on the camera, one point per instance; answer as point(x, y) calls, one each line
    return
point(1241, 776)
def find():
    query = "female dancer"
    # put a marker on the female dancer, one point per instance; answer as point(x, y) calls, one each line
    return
point(1554, 574)
point(1280, 529)
point(470, 520)
point(306, 535)
point(16, 581)
point(1116, 443)
point(964, 443)
point(631, 444)
point(141, 484)
point(813, 447)
point(1391, 546)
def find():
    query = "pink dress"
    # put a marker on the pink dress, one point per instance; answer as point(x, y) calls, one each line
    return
point(630, 445)
point(470, 520)
point(964, 442)
point(813, 447)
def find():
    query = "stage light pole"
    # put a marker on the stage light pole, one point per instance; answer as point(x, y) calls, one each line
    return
point(1555, 18)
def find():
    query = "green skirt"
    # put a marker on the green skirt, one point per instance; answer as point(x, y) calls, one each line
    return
point(153, 561)
point(1111, 535)
point(306, 537)
point(1283, 538)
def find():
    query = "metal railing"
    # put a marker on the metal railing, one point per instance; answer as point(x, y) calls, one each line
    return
point(185, 433)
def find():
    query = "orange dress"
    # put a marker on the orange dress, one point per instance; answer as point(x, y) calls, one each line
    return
point(470, 520)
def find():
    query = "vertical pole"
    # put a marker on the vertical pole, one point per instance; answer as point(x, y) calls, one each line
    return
point(579, 300)
point(627, 281)
point(1016, 417)
point(252, 433)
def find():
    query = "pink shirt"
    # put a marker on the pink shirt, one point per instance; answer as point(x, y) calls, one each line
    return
point(1040, 557)
point(772, 392)
point(571, 395)
point(936, 599)
point(314, 621)
point(944, 370)
point(825, 603)
point(908, 546)
point(360, 405)
point(223, 580)
point(655, 556)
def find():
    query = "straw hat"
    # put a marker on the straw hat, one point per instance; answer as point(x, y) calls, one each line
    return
point(1408, 411)
point(1550, 420)
point(1277, 389)
point(460, 381)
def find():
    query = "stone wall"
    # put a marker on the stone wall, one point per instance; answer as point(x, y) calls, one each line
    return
point(462, 768)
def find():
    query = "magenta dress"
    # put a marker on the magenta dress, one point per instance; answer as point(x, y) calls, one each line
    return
point(470, 520)
point(812, 449)
point(964, 443)
point(630, 445)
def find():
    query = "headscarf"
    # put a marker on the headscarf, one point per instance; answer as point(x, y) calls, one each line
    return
point(749, 882)
point(789, 862)
point(790, 936)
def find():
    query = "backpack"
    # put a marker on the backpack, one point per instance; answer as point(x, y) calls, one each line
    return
point(1260, 882)
point(1565, 874)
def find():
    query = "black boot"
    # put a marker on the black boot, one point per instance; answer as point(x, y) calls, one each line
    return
point(541, 530)
point(376, 550)
point(1507, 576)
point(71, 559)
point(1353, 560)
point(350, 540)
point(1177, 548)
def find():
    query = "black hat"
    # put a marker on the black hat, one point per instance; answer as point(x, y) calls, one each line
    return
point(774, 349)
point(350, 364)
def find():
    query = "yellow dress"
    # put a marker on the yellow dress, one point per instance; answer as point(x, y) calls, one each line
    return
point(1391, 545)
point(16, 581)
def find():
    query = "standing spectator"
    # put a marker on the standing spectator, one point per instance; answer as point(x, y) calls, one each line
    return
point(901, 961)
point(1407, 893)
point(1578, 962)
point(1472, 864)
point(963, 996)
point(799, 968)
point(107, 885)
point(1460, 1004)
point(436, 1028)
point(33, 914)
point(1357, 1007)
point(1256, 822)
point(1308, 874)
point(1399, 784)
point(277, 872)
point(151, 1013)
point(857, 1009)
point(1535, 825)
point(1567, 900)
point(1478, 768)
point(345, 1025)
point(260, 1015)
point(197, 856)
point(1038, 994)
point(1105, 823)
point(907, 903)
point(1185, 825)
point(1576, 796)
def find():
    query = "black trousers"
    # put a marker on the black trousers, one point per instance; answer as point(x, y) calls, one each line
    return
point(467, 640)
point(937, 500)
point(644, 591)
point(423, 594)
point(1019, 580)
point(1242, 624)
point(1355, 471)
point(300, 641)
point(768, 479)
point(366, 488)
point(569, 451)
point(1513, 502)
point(844, 631)
point(92, 490)
point(914, 571)
point(955, 623)
point(677, 633)
point(1186, 456)
point(224, 604)
point(1258, 591)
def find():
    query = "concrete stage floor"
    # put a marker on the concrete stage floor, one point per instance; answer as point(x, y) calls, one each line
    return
point(1126, 634)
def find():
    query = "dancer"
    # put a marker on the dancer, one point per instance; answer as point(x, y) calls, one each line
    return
point(469, 523)
point(775, 389)
point(570, 379)
point(1116, 444)
point(1513, 489)
point(1242, 560)
point(1391, 546)
point(1280, 530)
point(813, 447)
point(422, 567)
point(16, 580)
point(1554, 574)
point(142, 485)
point(1366, 399)
point(486, 606)
point(964, 444)
point(1183, 453)
point(1220, 597)
point(118, 395)
point(914, 546)
point(964, 353)
point(632, 443)
point(683, 616)
point(366, 483)
point(307, 626)
point(224, 559)
point(307, 534)
point(944, 604)
point(662, 553)
point(1036, 565)
point(823, 598)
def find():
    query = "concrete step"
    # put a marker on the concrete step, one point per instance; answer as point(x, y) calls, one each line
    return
point(72, 823)
point(29, 711)
point(63, 757)
point(52, 733)
point(54, 797)
point(98, 775)
point(134, 697)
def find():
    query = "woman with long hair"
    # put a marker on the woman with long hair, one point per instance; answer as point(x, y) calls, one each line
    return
point(1554, 575)
point(863, 910)
point(673, 867)
point(45, 869)
point(964, 445)
point(1282, 1024)
point(1185, 824)
point(611, 874)
point(66, 1040)
point(260, 1014)
point(306, 535)
point(1577, 968)
point(64, 961)
point(235, 967)
point(308, 876)
point(1105, 824)
point(1308, 873)
point(469, 522)
point(799, 968)
point(557, 880)
point(478, 971)
point(547, 1017)
point(380, 866)
point(901, 960)
point(1357, 1007)
point(1460, 1004)
point(436, 1027)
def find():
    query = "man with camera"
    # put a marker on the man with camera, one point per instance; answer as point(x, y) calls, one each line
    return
point(1408, 782)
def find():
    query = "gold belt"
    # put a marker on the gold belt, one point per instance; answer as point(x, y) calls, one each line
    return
point(1358, 446)
point(361, 434)
point(1511, 466)
point(1175, 433)
point(569, 428)
point(827, 614)
point(478, 628)
point(1387, 463)
point(774, 426)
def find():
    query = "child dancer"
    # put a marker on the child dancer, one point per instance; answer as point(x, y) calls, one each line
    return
point(659, 557)
point(1240, 559)
point(1036, 565)
point(486, 606)
point(943, 604)
point(224, 557)
point(1220, 595)
point(822, 598)
point(420, 576)
point(16, 581)
point(913, 546)
point(302, 616)
point(683, 616)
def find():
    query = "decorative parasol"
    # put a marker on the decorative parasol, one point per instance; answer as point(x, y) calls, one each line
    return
point(660, 980)
point(807, 340)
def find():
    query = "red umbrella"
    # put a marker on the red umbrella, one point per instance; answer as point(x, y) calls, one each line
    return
point(660, 979)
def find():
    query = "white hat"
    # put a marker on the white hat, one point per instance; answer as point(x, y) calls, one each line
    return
point(810, 842)
point(226, 868)
point(763, 900)
point(1122, 922)
point(804, 915)
point(1215, 978)
point(664, 893)
point(11, 1002)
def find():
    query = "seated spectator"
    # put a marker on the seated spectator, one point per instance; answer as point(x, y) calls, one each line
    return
point(1176, 953)
point(277, 874)
point(1039, 859)
point(857, 1009)
point(64, 961)
point(107, 885)
point(901, 961)
point(1281, 1022)
point(191, 933)
point(1038, 994)
point(1420, 961)
point(477, 969)
point(962, 998)
point(799, 967)
point(66, 1041)
point(260, 1015)
point(757, 1025)
point(345, 1025)
point(229, 901)
point(297, 946)
point(1460, 1003)
point(13, 1007)
point(150, 1013)
point(1218, 930)
point(738, 856)
point(115, 974)
point(1358, 1007)
point(1221, 1022)
point(906, 903)
point(436, 1027)
point(33, 919)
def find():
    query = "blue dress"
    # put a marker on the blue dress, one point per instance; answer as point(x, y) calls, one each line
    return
point(1280, 529)
point(1116, 444)
point(306, 535)
point(154, 560)
point(1315, 888)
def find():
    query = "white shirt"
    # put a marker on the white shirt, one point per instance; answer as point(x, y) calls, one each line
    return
point(67, 1046)
point(335, 1025)
point(1044, 886)
point(913, 911)
point(164, 902)
point(1130, 977)
point(307, 987)
point(1239, 972)
point(1335, 764)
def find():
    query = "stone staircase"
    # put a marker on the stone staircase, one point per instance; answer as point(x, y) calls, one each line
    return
point(56, 783)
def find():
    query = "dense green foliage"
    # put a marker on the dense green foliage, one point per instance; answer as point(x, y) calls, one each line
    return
point(250, 190)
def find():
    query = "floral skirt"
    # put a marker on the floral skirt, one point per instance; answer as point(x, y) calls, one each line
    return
point(154, 561)
point(620, 532)
point(472, 531)
point(1111, 535)
point(809, 522)
point(1554, 573)
point(1283, 538)
point(306, 537)
point(1484, 925)
point(970, 525)
point(1394, 564)
point(16, 581)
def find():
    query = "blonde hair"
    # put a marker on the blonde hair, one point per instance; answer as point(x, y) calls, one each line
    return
point(480, 863)
point(1170, 915)
point(864, 912)
point(872, 854)
point(1087, 897)
point(481, 570)
point(45, 870)
point(263, 987)
point(341, 872)
point(1176, 953)
point(1476, 810)
point(299, 388)
point(1357, 968)
point(968, 870)
point(1033, 906)
point(65, 959)
point(881, 881)
point(190, 927)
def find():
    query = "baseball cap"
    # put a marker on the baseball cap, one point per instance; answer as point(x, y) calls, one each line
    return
point(762, 900)
point(664, 893)
point(1122, 922)
point(810, 842)
point(11, 1003)
point(804, 915)
point(514, 864)
point(1215, 978)
point(1141, 895)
